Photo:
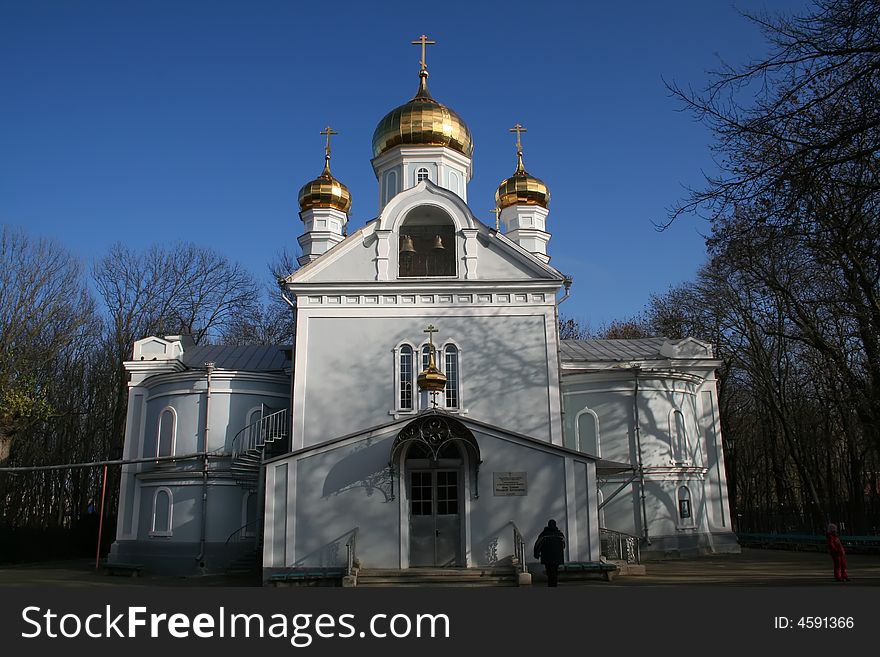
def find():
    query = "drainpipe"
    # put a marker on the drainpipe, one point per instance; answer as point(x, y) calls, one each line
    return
point(638, 435)
point(209, 368)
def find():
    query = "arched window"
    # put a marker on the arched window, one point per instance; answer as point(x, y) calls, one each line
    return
point(685, 512)
point(426, 356)
point(162, 511)
point(427, 244)
point(679, 437)
point(167, 429)
point(405, 394)
point(454, 182)
point(390, 186)
point(588, 432)
point(421, 174)
point(451, 371)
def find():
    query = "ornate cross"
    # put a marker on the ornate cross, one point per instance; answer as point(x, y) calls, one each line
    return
point(430, 331)
point(423, 41)
point(518, 129)
point(328, 131)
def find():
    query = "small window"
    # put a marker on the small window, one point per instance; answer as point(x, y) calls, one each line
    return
point(421, 174)
point(406, 378)
point(162, 501)
point(451, 376)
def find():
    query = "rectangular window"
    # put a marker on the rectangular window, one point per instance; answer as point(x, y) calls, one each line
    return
point(420, 494)
point(447, 493)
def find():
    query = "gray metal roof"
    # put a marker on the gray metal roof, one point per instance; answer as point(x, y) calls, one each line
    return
point(611, 350)
point(250, 358)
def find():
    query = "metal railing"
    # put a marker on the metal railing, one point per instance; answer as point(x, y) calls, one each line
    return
point(519, 548)
point(241, 534)
point(256, 435)
point(618, 546)
point(351, 550)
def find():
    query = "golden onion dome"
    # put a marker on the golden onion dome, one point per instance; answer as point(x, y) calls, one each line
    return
point(431, 378)
point(325, 191)
point(522, 188)
point(422, 121)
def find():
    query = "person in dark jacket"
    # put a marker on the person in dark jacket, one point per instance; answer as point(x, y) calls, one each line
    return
point(550, 549)
point(838, 554)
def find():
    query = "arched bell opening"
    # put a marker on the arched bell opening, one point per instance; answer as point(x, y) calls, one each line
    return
point(435, 461)
point(427, 243)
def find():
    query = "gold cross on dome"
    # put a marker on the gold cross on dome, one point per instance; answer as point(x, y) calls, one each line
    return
point(518, 129)
point(423, 41)
point(328, 131)
point(430, 331)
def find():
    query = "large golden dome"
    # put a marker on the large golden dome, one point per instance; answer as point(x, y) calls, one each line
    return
point(522, 188)
point(325, 191)
point(422, 121)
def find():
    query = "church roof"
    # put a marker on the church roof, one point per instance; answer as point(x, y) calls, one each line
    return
point(249, 358)
point(612, 350)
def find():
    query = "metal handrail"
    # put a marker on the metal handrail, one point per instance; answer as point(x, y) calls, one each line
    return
point(519, 547)
point(351, 549)
point(267, 429)
point(239, 533)
point(622, 546)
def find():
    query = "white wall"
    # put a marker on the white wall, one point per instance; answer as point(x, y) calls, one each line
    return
point(349, 365)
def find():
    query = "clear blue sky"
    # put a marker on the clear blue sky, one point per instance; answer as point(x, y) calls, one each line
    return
point(155, 121)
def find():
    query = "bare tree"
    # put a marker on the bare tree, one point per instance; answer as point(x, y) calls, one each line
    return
point(44, 306)
point(812, 107)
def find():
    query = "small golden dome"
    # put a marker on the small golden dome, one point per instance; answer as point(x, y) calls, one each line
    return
point(325, 191)
point(431, 378)
point(422, 121)
point(522, 189)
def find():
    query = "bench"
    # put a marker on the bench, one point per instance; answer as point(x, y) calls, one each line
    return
point(129, 569)
point(606, 570)
point(308, 577)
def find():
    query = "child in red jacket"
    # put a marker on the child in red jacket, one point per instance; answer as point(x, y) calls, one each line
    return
point(838, 554)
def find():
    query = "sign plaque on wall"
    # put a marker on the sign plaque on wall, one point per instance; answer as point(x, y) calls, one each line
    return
point(509, 483)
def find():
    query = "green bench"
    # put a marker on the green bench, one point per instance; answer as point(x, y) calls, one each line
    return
point(606, 570)
point(307, 577)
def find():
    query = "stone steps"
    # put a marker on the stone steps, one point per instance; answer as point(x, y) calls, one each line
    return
point(433, 577)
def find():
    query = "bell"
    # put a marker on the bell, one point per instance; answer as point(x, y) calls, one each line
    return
point(438, 243)
point(406, 244)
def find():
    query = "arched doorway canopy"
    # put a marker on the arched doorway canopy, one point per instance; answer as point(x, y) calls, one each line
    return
point(434, 433)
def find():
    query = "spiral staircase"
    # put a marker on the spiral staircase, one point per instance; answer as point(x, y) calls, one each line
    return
point(250, 447)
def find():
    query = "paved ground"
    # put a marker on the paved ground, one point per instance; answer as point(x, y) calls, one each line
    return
point(757, 568)
point(751, 568)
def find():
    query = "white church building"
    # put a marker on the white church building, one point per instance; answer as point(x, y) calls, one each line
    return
point(427, 414)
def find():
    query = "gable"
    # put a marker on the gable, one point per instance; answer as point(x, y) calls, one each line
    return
point(373, 252)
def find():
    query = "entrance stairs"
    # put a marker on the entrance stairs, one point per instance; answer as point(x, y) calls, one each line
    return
point(437, 577)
